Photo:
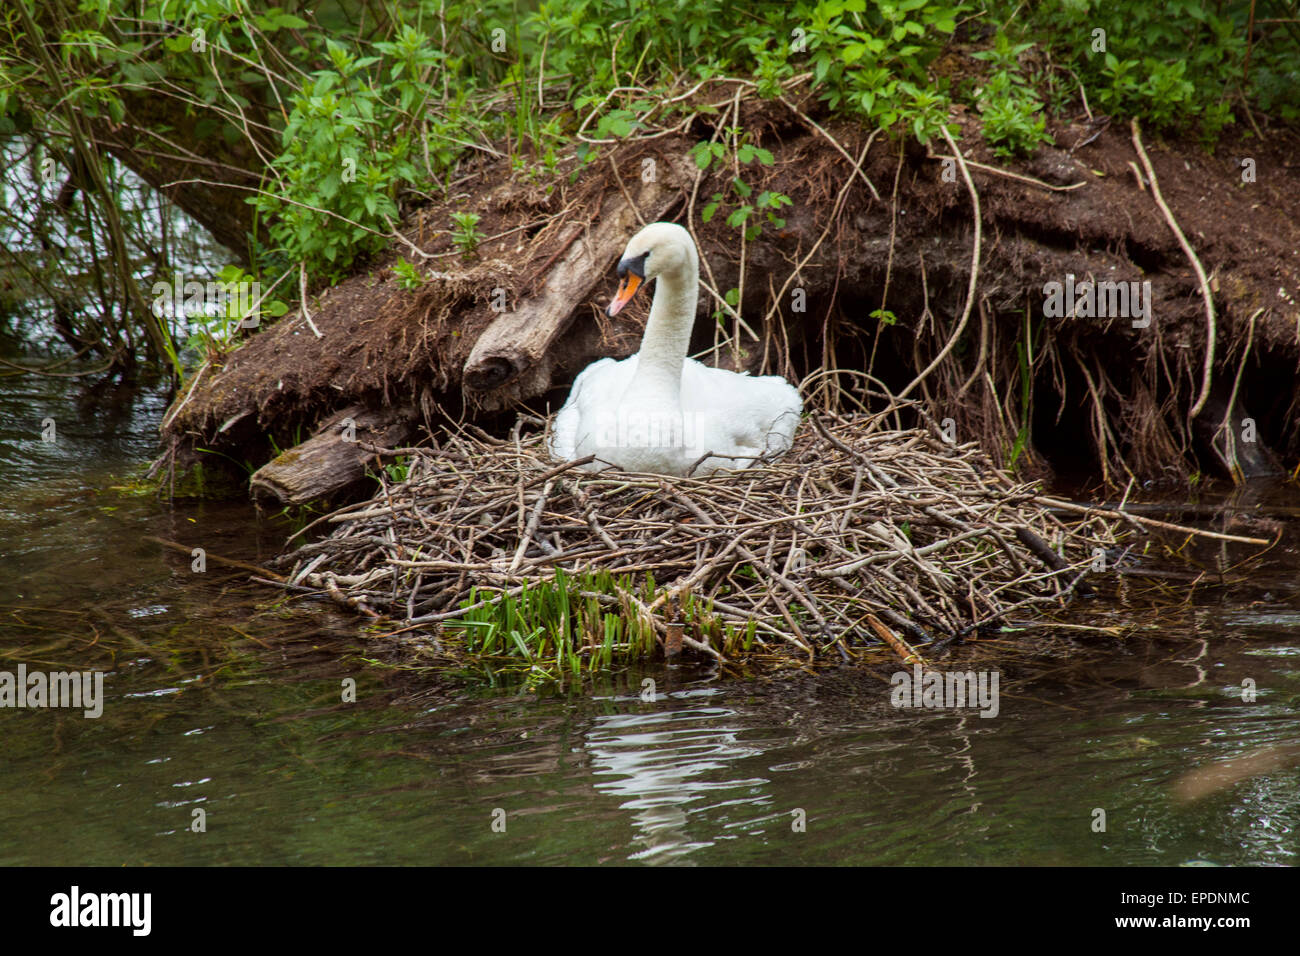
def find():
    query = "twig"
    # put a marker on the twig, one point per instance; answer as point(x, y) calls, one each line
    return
point(216, 558)
point(1149, 522)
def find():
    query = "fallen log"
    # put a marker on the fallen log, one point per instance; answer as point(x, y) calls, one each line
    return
point(332, 459)
point(513, 358)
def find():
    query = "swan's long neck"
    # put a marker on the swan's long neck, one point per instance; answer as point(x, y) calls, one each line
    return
point(668, 334)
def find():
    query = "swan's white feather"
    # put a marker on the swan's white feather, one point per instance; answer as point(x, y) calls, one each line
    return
point(736, 416)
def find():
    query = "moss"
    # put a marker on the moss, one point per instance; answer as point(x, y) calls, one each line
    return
point(288, 457)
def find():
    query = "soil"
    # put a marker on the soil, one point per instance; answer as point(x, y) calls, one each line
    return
point(1105, 399)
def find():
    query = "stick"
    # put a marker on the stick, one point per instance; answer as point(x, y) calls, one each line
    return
point(1152, 522)
point(209, 556)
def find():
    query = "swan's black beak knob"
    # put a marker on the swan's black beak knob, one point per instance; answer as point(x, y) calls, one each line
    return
point(631, 270)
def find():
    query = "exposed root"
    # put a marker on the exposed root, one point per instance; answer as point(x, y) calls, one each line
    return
point(1210, 324)
point(974, 268)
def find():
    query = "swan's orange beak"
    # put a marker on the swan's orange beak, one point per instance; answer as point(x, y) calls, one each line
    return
point(626, 289)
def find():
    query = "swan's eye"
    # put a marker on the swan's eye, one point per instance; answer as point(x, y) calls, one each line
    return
point(633, 264)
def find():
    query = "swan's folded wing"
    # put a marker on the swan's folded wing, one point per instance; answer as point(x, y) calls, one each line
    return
point(746, 414)
point(599, 385)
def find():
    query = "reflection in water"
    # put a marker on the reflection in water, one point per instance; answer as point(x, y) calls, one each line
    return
point(660, 763)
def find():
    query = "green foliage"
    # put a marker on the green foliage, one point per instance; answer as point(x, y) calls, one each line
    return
point(556, 628)
point(1176, 66)
point(866, 56)
point(1026, 375)
point(748, 212)
point(398, 469)
point(1159, 87)
point(408, 276)
point(216, 331)
point(569, 626)
point(1014, 124)
point(343, 158)
point(465, 232)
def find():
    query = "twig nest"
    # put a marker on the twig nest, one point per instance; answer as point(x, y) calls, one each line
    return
point(859, 524)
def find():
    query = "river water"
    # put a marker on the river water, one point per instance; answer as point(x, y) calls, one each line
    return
point(220, 700)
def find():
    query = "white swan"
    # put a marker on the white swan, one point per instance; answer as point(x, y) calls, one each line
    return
point(659, 411)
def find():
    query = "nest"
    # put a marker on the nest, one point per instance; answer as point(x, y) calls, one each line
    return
point(862, 533)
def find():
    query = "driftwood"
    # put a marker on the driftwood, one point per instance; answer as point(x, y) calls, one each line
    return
point(332, 459)
point(514, 358)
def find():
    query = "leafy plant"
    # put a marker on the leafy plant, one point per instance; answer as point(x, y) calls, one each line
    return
point(465, 232)
point(408, 275)
point(868, 57)
point(216, 330)
point(1177, 66)
point(345, 154)
point(744, 216)
point(1014, 124)
point(556, 628)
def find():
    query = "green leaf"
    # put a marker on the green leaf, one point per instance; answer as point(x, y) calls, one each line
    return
point(702, 155)
point(852, 53)
point(739, 216)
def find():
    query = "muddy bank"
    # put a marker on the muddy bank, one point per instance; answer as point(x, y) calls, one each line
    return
point(869, 272)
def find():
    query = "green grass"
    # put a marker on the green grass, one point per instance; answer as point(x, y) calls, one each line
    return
point(568, 627)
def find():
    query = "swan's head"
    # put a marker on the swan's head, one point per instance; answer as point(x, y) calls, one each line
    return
point(661, 248)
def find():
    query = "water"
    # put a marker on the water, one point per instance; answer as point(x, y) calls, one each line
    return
point(222, 699)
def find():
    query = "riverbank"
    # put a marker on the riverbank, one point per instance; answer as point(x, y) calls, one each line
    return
point(870, 269)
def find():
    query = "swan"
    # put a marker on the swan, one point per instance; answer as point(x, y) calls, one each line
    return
point(658, 411)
